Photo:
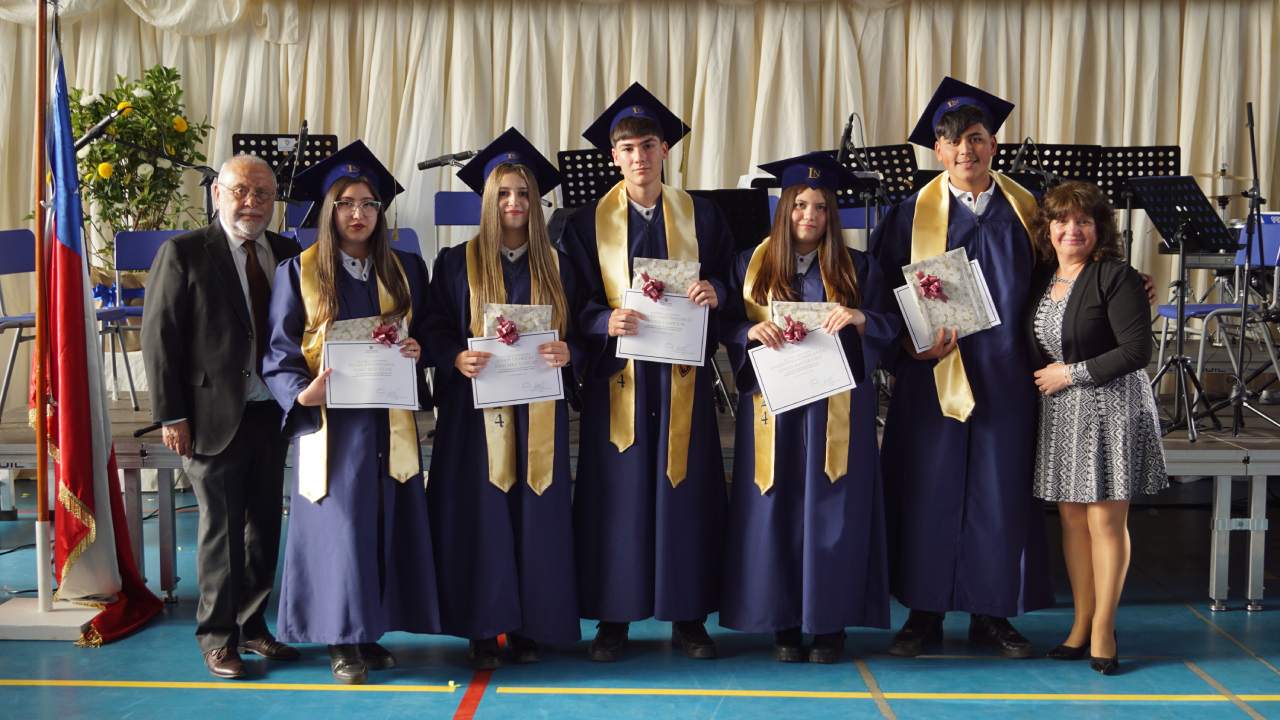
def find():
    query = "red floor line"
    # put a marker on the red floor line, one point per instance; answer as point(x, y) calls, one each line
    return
point(471, 699)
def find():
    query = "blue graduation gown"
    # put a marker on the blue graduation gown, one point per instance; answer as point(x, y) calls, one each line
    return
point(644, 548)
point(358, 563)
point(809, 553)
point(965, 532)
point(504, 560)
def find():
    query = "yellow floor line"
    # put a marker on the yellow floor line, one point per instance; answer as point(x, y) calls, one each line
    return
point(688, 692)
point(831, 695)
point(228, 685)
point(867, 677)
point(1235, 699)
point(1233, 639)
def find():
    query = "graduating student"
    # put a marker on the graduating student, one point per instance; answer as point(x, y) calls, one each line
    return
point(358, 560)
point(650, 496)
point(500, 486)
point(806, 541)
point(965, 532)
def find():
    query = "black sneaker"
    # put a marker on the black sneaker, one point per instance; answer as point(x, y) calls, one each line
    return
point(998, 633)
point(922, 630)
point(691, 636)
point(611, 639)
point(788, 646)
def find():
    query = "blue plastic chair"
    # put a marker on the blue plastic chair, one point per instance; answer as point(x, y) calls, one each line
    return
point(134, 252)
point(455, 208)
point(404, 240)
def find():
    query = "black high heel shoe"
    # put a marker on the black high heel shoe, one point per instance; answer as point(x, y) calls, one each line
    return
point(1067, 652)
point(1107, 666)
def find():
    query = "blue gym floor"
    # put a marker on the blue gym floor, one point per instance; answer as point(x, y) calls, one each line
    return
point(1179, 660)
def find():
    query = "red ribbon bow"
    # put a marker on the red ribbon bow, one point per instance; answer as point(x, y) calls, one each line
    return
point(507, 332)
point(795, 331)
point(653, 287)
point(386, 334)
point(931, 287)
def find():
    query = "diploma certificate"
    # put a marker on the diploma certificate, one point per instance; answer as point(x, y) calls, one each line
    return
point(801, 373)
point(674, 330)
point(516, 374)
point(369, 375)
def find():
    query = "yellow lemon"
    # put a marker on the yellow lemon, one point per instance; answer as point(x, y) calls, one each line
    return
point(105, 169)
point(126, 106)
point(180, 123)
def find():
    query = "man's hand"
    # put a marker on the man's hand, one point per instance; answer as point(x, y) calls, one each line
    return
point(177, 437)
point(313, 394)
point(624, 322)
point(703, 292)
point(941, 346)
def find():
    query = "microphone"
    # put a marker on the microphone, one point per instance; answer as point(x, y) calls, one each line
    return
point(1017, 165)
point(447, 159)
point(844, 140)
point(96, 131)
point(297, 159)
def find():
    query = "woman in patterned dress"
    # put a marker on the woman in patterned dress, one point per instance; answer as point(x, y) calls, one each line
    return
point(1098, 441)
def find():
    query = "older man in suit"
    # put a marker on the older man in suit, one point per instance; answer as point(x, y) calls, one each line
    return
point(204, 331)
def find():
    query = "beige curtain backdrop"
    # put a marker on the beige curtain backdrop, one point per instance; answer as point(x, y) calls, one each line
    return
point(756, 80)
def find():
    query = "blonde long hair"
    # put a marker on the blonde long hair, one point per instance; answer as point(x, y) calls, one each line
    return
point(543, 269)
point(328, 264)
point(779, 264)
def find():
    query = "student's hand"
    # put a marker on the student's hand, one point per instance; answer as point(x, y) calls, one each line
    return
point(941, 346)
point(624, 322)
point(841, 316)
point(1150, 287)
point(556, 353)
point(767, 334)
point(410, 348)
point(313, 395)
point(1053, 378)
point(703, 292)
point(177, 437)
point(471, 362)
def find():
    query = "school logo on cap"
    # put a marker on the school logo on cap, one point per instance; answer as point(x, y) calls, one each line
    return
point(952, 103)
point(352, 168)
point(814, 173)
point(637, 110)
point(512, 156)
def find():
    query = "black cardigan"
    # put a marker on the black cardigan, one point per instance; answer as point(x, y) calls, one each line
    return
point(1107, 324)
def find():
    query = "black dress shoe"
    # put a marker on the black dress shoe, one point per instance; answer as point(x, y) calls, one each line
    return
point(922, 630)
point(346, 664)
point(485, 654)
point(225, 663)
point(523, 650)
point(691, 636)
point(1106, 666)
point(377, 657)
point(827, 648)
point(611, 639)
point(998, 633)
point(270, 648)
point(788, 646)
point(1067, 652)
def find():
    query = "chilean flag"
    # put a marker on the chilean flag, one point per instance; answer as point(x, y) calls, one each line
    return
point(93, 563)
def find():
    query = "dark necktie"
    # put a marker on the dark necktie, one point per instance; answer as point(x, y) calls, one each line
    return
point(259, 299)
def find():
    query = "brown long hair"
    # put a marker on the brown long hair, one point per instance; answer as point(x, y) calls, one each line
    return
point(543, 269)
point(1077, 197)
point(779, 264)
point(384, 263)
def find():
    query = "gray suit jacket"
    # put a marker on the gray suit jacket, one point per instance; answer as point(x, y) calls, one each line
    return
point(197, 335)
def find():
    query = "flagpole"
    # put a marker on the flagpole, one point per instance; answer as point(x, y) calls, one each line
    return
point(43, 565)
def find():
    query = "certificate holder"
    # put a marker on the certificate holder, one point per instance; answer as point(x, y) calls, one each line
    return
point(674, 330)
point(798, 374)
point(369, 375)
point(516, 374)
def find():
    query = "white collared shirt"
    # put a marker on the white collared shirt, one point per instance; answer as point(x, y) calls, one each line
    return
point(977, 204)
point(804, 261)
point(645, 212)
point(356, 268)
point(514, 255)
point(257, 390)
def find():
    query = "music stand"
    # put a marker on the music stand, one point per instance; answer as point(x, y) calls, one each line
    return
point(588, 175)
point(1058, 162)
point(1118, 164)
point(896, 165)
point(1033, 182)
point(1187, 223)
point(279, 150)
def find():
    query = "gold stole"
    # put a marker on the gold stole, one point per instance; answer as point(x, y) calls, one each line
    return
point(499, 422)
point(313, 449)
point(836, 460)
point(615, 271)
point(929, 238)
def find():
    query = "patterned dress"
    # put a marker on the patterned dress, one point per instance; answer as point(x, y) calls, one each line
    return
point(1095, 442)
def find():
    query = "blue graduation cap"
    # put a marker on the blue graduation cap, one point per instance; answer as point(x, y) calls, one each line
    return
point(635, 101)
point(951, 95)
point(353, 161)
point(510, 147)
point(815, 169)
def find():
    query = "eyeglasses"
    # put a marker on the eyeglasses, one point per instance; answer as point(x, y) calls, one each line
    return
point(351, 206)
point(241, 192)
